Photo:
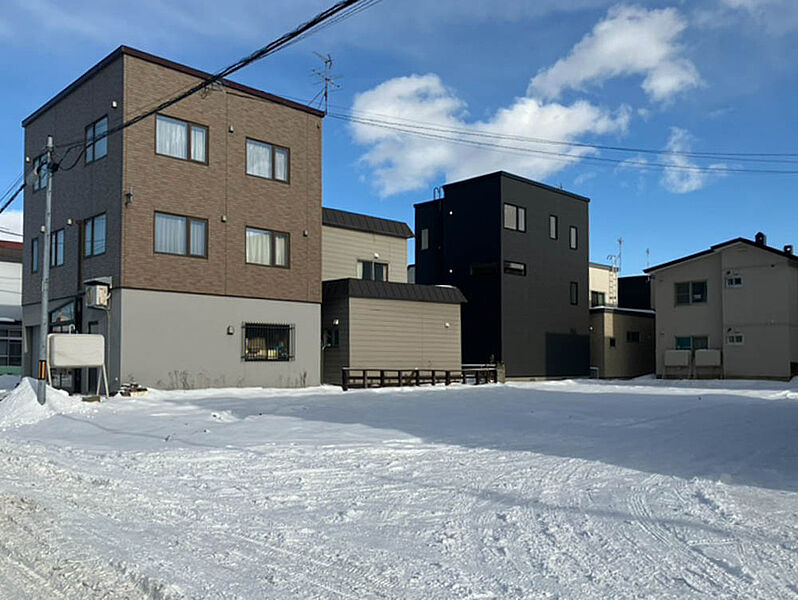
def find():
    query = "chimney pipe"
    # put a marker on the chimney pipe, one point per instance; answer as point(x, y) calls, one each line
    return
point(788, 249)
point(761, 239)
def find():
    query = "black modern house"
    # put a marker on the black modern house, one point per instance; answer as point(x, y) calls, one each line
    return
point(518, 250)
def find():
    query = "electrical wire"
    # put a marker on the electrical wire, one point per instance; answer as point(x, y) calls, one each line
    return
point(561, 156)
point(335, 14)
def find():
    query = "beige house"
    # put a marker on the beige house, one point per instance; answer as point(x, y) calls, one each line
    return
point(603, 281)
point(362, 246)
point(730, 311)
point(371, 317)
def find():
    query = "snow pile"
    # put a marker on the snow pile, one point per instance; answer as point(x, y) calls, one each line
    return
point(21, 406)
point(8, 382)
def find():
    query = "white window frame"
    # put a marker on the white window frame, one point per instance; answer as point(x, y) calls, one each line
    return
point(734, 281)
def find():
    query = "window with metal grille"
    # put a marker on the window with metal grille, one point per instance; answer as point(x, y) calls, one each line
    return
point(267, 342)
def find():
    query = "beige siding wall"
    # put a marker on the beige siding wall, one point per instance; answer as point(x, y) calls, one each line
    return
point(626, 359)
point(602, 280)
point(400, 334)
point(342, 248)
point(763, 310)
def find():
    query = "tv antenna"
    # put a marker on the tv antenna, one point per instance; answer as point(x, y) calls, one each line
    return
point(327, 79)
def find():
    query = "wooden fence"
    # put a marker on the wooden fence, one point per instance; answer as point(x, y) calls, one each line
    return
point(352, 378)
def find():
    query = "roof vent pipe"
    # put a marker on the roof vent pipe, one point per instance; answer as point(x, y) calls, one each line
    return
point(788, 249)
point(761, 239)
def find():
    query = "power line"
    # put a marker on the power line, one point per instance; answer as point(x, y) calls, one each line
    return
point(377, 119)
point(557, 156)
point(335, 14)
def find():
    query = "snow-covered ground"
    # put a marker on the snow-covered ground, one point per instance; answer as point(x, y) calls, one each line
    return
point(578, 489)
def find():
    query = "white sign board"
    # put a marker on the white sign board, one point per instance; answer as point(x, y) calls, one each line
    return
point(75, 350)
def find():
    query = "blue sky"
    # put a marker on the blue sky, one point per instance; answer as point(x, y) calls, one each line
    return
point(703, 75)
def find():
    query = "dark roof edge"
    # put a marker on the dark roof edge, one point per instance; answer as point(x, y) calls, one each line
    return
point(739, 240)
point(391, 290)
point(122, 50)
point(393, 228)
point(636, 312)
point(523, 180)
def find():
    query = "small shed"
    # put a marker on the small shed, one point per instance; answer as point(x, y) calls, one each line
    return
point(386, 325)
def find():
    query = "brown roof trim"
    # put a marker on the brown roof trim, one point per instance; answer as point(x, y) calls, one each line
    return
point(126, 50)
point(720, 246)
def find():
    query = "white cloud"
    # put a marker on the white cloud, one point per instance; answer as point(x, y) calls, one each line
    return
point(11, 220)
point(681, 180)
point(630, 41)
point(404, 163)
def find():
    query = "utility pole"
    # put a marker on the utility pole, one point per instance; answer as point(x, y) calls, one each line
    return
point(44, 327)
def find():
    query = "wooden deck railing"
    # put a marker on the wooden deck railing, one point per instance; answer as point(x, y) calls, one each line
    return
point(356, 378)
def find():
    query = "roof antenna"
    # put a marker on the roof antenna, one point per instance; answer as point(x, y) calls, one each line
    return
point(328, 81)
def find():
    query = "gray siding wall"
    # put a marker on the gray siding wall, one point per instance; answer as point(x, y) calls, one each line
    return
point(400, 334)
point(342, 248)
point(174, 340)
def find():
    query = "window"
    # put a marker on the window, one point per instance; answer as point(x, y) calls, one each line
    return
point(40, 168)
point(633, 337)
point(514, 217)
point(573, 240)
point(734, 281)
point(734, 339)
point(180, 139)
point(175, 234)
point(598, 299)
point(94, 236)
point(690, 292)
point(34, 255)
point(97, 140)
point(514, 268)
point(695, 342)
point(264, 247)
point(264, 342)
point(424, 239)
point(574, 292)
point(267, 161)
point(332, 338)
point(371, 270)
point(57, 248)
point(553, 230)
point(11, 346)
point(612, 342)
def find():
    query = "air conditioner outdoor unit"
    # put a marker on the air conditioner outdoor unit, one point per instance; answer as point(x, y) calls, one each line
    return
point(98, 296)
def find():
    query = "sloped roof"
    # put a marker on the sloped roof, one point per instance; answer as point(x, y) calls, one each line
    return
point(720, 246)
point(333, 217)
point(386, 290)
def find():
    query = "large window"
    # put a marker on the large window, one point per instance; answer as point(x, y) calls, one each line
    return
point(573, 238)
point(94, 236)
point(553, 227)
point(691, 342)
point(264, 247)
point(10, 346)
point(690, 292)
point(97, 140)
point(40, 169)
point(267, 160)
point(574, 292)
point(264, 342)
point(176, 234)
point(34, 255)
point(598, 299)
point(57, 248)
point(514, 217)
point(372, 270)
point(181, 139)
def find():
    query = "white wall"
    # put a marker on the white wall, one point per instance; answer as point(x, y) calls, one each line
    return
point(11, 290)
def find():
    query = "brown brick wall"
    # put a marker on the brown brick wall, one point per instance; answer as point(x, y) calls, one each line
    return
point(220, 188)
point(80, 193)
